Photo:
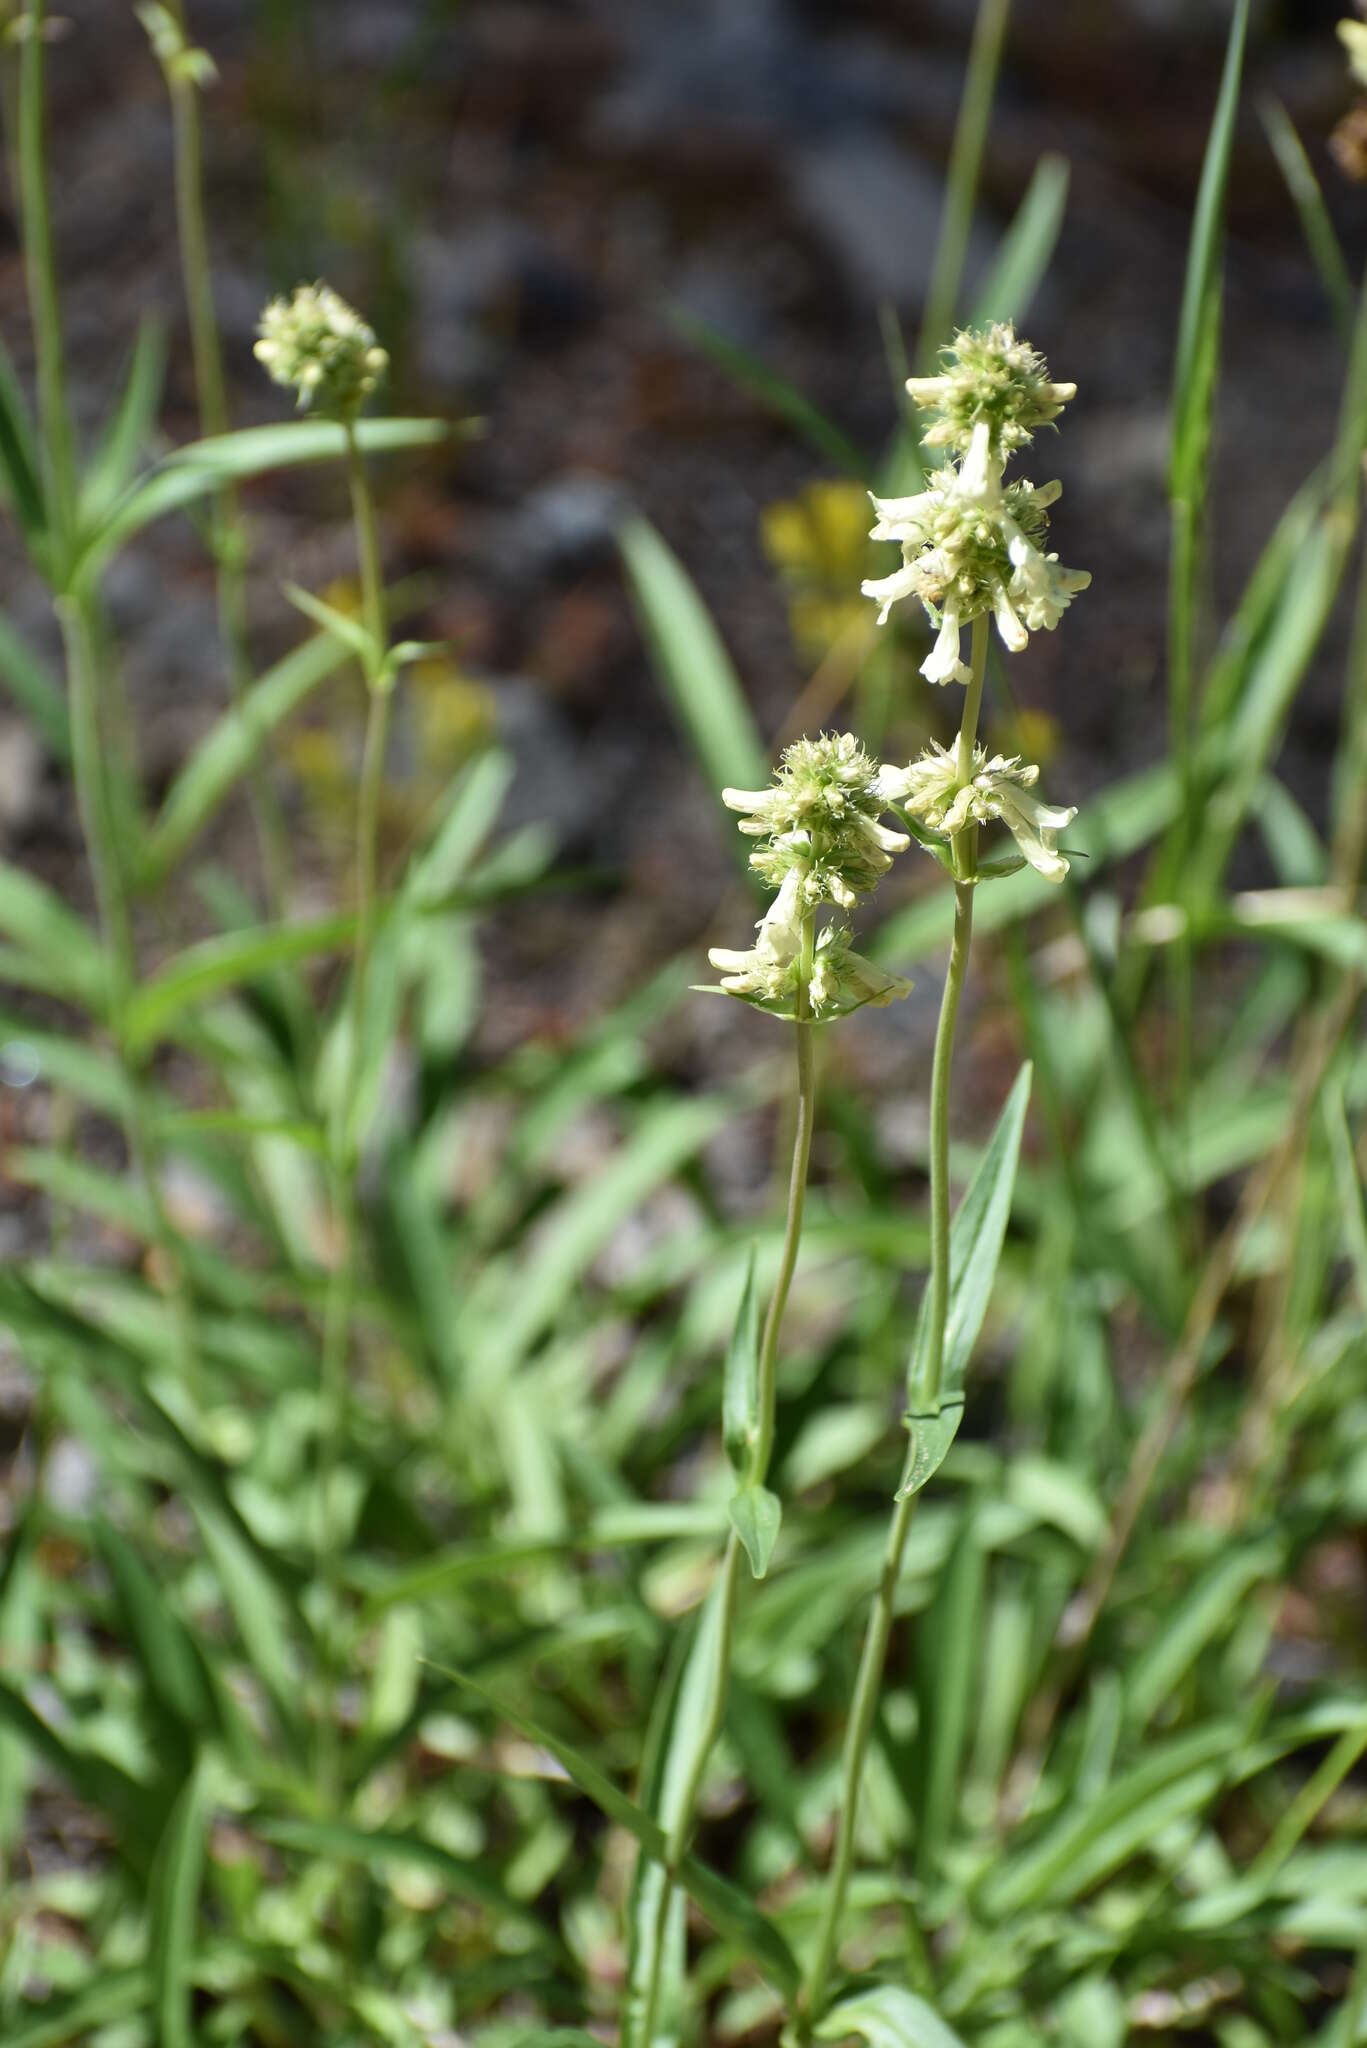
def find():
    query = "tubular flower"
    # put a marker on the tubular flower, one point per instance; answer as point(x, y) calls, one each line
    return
point(971, 544)
point(990, 379)
point(1001, 789)
point(820, 841)
point(318, 344)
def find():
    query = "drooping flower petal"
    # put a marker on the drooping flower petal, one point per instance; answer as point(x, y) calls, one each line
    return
point(942, 664)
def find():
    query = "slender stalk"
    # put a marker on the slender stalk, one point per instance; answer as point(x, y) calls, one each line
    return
point(869, 1682)
point(341, 1293)
point(76, 616)
point(681, 1798)
point(230, 540)
point(961, 183)
point(40, 266)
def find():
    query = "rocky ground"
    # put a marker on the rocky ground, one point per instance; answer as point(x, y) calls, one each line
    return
point(523, 192)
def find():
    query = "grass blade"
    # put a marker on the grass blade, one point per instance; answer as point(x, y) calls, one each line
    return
point(733, 1915)
point(200, 470)
point(175, 1914)
point(692, 663)
point(34, 691)
point(961, 184)
point(1326, 251)
point(226, 752)
point(778, 396)
point(214, 966)
point(130, 425)
point(1027, 248)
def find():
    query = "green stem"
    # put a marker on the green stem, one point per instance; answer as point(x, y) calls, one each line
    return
point(367, 545)
point(59, 454)
point(341, 1292)
point(681, 1798)
point(961, 183)
point(102, 851)
point(230, 540)
point(869, 1682)
point(75, 617)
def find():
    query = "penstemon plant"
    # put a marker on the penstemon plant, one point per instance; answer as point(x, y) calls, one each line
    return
point(971, 553)
point(820, 843)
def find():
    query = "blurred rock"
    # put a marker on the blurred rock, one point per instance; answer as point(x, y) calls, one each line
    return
point(568, 522)
point(21, 776)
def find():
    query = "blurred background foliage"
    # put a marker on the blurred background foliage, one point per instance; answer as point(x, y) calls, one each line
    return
point(677, 259)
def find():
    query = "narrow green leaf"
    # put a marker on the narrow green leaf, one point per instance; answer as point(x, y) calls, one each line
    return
point(203, 468)
point(35, 691)
point(106, 1786)
point(228, 749)
point(975, 1243)
point(1027, 248)
point(168, 1653)
point(950, 1648)
point(1098, 1834)
point(471, 1877)
point(692, 663)
point(731, 1912)
point(175, 1908)
point(349, 631)
point(523, 1300)
point(213, 966)
point(755, 1516)
point(1191, 383)
point(888, 2017)
point(37, 921)
point(129, 427)
point(740, 1378)
point(1321, 239)
point(115, 1995)
point(20, 463)
point(257, 1606)
point(778, 396)
point(1183, 1632)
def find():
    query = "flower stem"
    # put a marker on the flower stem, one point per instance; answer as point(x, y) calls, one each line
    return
point(870, 1679)
point(230, 539)
point(961, 184)
point(342, 1133)
point(75, 612)
point(681, 1797)
point(40, 264)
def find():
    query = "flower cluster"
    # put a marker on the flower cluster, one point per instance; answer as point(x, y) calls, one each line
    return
point(318, 344)
point(818, 819)
point(1353, 36)
point(819, 841)
point(990, 379)
point(1349, 139)
point(970, 543)
point(1000, 789)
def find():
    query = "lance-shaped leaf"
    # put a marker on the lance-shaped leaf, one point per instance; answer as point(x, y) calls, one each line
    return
point(975, 1244)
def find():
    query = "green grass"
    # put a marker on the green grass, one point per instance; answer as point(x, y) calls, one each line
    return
point(254, 1791)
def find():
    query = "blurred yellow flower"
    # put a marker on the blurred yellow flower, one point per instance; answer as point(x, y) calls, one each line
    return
point(818, 542)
